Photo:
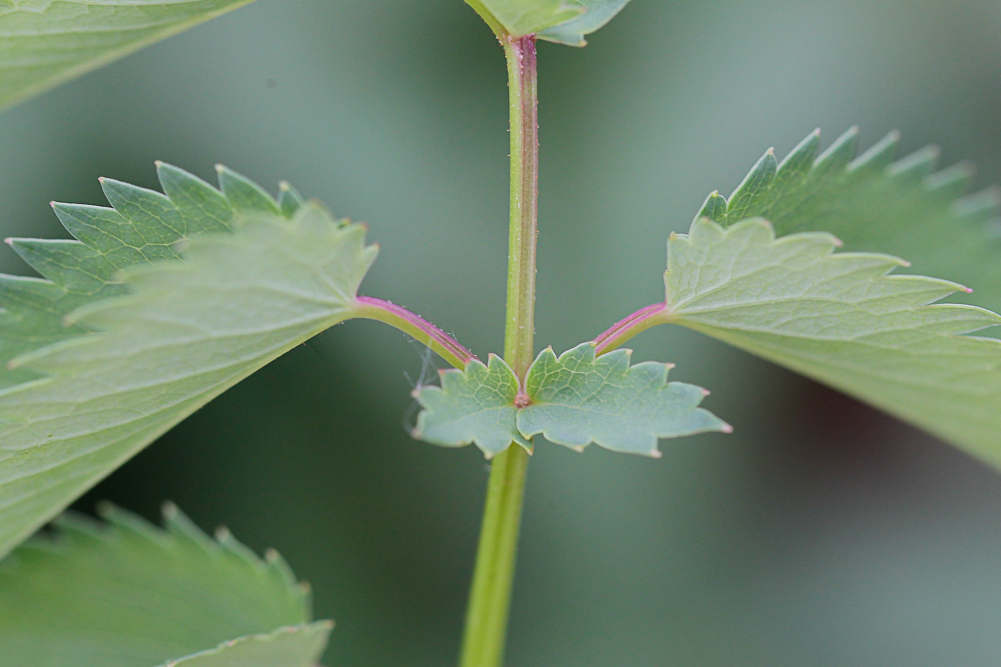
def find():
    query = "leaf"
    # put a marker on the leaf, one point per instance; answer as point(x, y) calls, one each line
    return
point(286, 647)
point(145, 352)
point(527, 17)
point(875, 204)
point(578, 399)
point(597, 14)
point(476, 405)
point(573, 400)
point(126, 593)
point(841, 318)
point(44, 43)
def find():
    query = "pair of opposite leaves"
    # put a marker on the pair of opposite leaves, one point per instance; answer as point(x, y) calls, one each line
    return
point(151, 339)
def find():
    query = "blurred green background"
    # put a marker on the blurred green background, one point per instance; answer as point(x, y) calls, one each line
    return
point(820, 533)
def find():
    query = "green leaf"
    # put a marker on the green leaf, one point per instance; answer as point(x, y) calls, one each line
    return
point(476, 405)
point(527, 17)
point(875, 204)
point(843, 319)
point(44, 43)
point(127, 594)
point(153, 339)
point(597, 13)
point(578, 399)
point(572, 400)
point(286, 647)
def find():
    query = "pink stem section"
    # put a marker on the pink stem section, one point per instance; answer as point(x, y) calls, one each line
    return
point(414, 325)
point(624, 329)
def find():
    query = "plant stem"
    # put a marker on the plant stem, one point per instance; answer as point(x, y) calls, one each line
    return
point(519, 328)
point(417, 327)
point(489, 601)
point(629, 326)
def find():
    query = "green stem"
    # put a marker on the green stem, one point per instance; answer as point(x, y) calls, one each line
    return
point(487, 617)
point(519, 328)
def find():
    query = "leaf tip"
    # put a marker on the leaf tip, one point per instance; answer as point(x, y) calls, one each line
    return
point(726, 428)
point(656, 454)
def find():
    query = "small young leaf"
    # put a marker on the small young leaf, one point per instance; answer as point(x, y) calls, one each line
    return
point(573, 400)
point(46, 42)
point(476, 405)
point(597, 13)
point(151, 339)
point(842, 319)
point(527, 17)
point(127, 594)
point(578, 399)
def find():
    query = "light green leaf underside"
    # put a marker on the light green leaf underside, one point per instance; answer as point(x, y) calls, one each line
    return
point(842, 319)
point(572, 400)
point(597, 13)
point(577, 399)
point(875, 204)
point(527, 17)
point(128, 594)
point(287, 647)
point(146, 352)
point(475, 405)
point(46, 42)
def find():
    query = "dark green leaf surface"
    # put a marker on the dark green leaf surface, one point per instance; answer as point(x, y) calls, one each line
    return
point(46, 42)
point(873, 203)
point(127, 594)
point(152, 339)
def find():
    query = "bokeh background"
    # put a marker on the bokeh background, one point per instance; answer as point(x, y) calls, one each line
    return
point(819, 533)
